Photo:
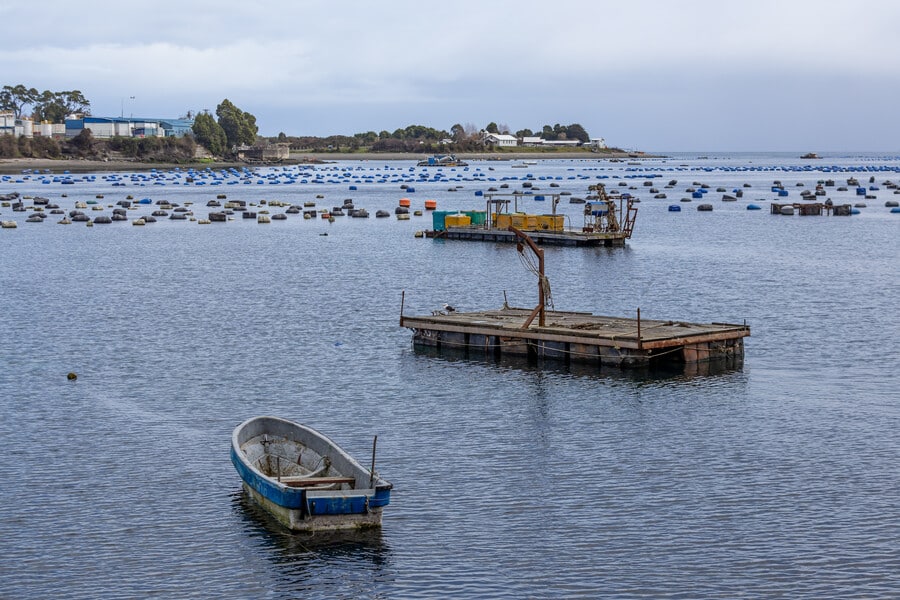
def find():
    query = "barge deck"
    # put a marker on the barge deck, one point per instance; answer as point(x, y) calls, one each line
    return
point(565, 237)
point(579, 337)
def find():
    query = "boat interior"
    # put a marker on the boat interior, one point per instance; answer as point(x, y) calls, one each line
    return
point(294, 464)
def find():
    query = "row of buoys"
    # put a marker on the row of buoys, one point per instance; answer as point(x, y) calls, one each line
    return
point(429, 204)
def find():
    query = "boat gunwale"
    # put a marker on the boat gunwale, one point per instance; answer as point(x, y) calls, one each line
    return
point(297, 496)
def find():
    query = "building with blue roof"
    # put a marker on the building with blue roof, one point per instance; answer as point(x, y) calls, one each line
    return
point(108, 127)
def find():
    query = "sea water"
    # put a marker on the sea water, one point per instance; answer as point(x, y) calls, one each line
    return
point(778, 479)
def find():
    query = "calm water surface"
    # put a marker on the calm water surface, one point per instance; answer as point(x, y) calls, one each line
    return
point(779, 479)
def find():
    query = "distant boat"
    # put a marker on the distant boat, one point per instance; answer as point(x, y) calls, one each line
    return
point(810, 155)
point(305, 480)
point(442, 160)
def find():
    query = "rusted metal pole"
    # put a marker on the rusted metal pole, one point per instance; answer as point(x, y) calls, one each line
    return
point(540, 255)
point(372, 471)
point(640, 342)
point(402, 302)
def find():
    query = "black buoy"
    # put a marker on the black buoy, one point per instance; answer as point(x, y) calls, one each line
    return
point(71, 376)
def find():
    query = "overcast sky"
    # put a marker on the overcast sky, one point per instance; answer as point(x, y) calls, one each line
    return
point(654, 75)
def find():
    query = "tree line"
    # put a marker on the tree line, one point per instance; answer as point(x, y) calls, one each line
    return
point(230, 128)
point(420, 138)
point(45, 106)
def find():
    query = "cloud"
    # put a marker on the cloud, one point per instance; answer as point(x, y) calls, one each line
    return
point(601, 63)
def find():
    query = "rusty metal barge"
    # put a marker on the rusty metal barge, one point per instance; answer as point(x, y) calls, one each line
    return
point(604, 223)
point(580, 337)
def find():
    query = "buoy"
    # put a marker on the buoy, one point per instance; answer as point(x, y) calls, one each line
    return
point(71, 376)
point(405, 202)
point(674, 208)
point(430, 204)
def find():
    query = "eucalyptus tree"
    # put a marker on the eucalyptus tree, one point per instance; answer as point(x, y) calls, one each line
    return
point(16, 98)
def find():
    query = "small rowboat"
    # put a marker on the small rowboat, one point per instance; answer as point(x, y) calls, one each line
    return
point(305, 480)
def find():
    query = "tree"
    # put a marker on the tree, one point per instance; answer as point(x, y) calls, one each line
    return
point(492, 128)
point(240, 127)
point(524, 133)
point(210, 134)
point(83, 143)
point(56, 106)
point(15, 98)
point(577, 132)
point(458, 133)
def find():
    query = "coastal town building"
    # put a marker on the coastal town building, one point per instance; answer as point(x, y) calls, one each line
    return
point(25, 127)
point(500, 139)
point(108, 127)
point(101, 127)
point(266, 153)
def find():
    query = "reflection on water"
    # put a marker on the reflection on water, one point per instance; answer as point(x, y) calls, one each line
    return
point(302, 559)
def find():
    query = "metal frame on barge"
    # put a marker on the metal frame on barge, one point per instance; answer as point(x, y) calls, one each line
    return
point(605, 224)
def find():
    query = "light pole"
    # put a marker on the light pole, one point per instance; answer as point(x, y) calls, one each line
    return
point(122, 113)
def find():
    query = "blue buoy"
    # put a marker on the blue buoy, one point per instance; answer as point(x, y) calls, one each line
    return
point(895, 210)
point(753, 207)
point(674, 208)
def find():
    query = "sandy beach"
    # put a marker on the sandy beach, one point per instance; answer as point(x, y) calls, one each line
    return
point(17, 165)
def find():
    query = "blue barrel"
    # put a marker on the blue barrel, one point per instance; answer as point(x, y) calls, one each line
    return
point(697, 195)
point(674, 208)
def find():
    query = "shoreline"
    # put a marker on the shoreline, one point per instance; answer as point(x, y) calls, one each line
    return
point(10, 166)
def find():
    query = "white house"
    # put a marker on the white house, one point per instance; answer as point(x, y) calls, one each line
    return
point(500, 139)
point(532, 141)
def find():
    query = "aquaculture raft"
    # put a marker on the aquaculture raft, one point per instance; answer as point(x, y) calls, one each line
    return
point(604, 224)
point(579, 336)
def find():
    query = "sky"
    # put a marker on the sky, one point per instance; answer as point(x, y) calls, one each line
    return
point(651, 75)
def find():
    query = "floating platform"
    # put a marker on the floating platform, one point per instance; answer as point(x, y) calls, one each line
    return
point(579, 337)
point(544, 238)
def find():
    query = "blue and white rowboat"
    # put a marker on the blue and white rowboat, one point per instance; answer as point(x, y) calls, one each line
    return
point(304, 479)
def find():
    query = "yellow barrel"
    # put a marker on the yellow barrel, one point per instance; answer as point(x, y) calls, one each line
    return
point(501, 220)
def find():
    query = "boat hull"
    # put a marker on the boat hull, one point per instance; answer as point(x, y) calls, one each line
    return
point(359, 504)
